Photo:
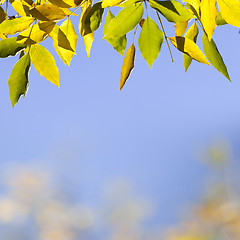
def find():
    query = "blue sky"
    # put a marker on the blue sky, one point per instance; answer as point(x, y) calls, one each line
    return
point(150, 133)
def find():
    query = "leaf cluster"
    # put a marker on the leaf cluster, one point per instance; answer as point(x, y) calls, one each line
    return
point(35, 21)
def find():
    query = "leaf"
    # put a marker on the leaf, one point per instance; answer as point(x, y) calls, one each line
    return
point(18, 80)
point(88, 40)
point(150, 41)
point(3, 15)
point(127, 3)
point(180, 28)
point(10, 27)
point(20, 8)
point(110, 3)
point(172, 10)
point(128, 65)
point(83, 27)
point(213, 55)
point(125, 21)
point(230, 10)
point(208, 16)
point(195, 6)
point(47, 12)
point(118, 43)
point(44, 63)
point(10, 47)
point(66, 3)
point(189, 47)
point(191, 34)
point(219, 20)
point(94, 17)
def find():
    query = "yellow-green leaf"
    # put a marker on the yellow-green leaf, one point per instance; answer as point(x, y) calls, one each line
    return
point(213, 55)
point(47, 12)
point(230, 10)
point(191, 34)
point(118, 43)
point(125, 21)
point(208, 16)
point(172, 10)
point(189, 47)
point(150, 41)
point(128, 65)
point(18, 80)
point(83, 27)
point(195, 5)
point(110, 3)
point(10, 47)
point(44, 63)
point(10, 27)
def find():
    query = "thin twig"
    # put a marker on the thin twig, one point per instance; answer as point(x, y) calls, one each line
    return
point(165, 36)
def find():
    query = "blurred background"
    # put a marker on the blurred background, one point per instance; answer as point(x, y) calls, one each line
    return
point(158, 160)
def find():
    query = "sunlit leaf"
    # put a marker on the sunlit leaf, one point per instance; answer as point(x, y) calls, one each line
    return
point(10, 27)
point(88, 40)
point(44, 63)
point(47, 12)
point(189, 47)
point(220, 20)
point(208, 16)
point(10, 47)
point(195, 6)
point(180, 28)
point(118, 43)
point(150, 41)
point(128, 65)
point(110, 3)
point(125, 21)
point(20, 8)
point(213, 55)
point(18, 80)
point(191, 34)
point(172, 10)
point(66, 3)
point(230, 10)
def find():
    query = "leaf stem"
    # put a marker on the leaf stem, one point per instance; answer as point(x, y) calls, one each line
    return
point(165, 36)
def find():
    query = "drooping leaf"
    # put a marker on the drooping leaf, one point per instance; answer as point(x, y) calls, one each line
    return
point(66, 3)
point(20, 8)
point(180, 28)
point(118, 43)
point(83, 27)
point(125, 21)
point(230, 10)
point(208, 16)
point(172, 10)
point(213, 55)
point(10, 27)
point(189, 47)
point(18, 80)
point(150, 41)
point(191, 34)
point(128, 65)
point(88, 41)
point(10, 47)
point(47, 12)
point(44, 63)
point(94, 17)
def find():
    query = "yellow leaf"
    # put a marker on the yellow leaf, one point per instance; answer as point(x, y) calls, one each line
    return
point(189, 47)
point(10, 27)
point(110, 3)
point(44, 63)
point(195, 4)
point(82, 26)
point(230, 10)
point(21, 9)
point(47, 12)
point(128, 65)
point(180, 28)
point(66, 3)
point(88, 40)
point(208, 16)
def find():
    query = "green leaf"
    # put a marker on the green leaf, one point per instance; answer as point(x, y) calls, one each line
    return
point(125, 21)
point(191, 34)
point(118, 43)
point(44, 63)
point(172, 10)
point(214, 57)
point(10, 27)
point(10, 47)
point(18, 80)
point(94, 17)
point(220, 20)
point(150, 41)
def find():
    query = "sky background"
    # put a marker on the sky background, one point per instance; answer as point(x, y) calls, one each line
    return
point(152, 133)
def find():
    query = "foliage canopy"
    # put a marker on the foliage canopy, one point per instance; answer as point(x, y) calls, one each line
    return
point(35, 21)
